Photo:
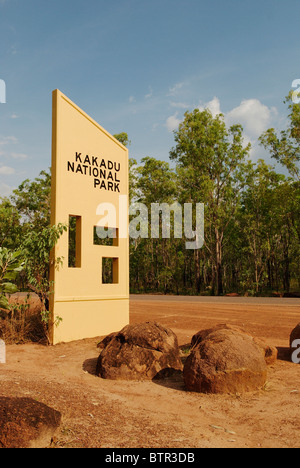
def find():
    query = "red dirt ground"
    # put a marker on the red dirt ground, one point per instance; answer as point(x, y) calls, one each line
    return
point(161, 414)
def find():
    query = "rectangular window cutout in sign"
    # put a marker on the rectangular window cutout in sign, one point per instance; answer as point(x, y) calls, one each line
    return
point(110, 270)
point(106, 236)
point(75, 241)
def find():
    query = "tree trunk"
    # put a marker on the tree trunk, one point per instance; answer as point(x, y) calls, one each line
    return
point(197, 272)
point(219, 277)
point(219, 269)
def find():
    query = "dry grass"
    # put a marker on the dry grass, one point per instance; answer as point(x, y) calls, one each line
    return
point(22, 323)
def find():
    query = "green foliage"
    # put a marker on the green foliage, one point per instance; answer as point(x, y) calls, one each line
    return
point(10, 267)
point(156, 182)
point(36, 248)
point(122, 138)
point(252, 217)
point(31, 201)
point(10, 229)
point(285, 149)
point(212, 166)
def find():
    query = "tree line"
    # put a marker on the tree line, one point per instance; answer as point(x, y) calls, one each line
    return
point(252, 214)
point(252, 211)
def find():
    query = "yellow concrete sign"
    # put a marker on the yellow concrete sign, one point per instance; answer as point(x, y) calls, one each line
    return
point(89, 173)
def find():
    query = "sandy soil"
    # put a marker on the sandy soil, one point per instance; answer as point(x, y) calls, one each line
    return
point(161, 414)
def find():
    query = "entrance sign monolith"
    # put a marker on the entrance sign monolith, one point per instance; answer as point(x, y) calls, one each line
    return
point(89, 168)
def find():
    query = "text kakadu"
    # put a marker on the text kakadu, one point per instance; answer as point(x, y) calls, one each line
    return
point(104, 173)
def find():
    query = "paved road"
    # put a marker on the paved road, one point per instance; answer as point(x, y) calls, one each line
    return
point(268, 301)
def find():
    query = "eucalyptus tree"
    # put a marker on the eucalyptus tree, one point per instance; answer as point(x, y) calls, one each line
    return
point(32, 201)
point(260, 224)
point(285, 147)
point(155, 184)
point(212, 165)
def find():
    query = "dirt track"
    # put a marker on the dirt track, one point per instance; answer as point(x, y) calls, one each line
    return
point(101, 413)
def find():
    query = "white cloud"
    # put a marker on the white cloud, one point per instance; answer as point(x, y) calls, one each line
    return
point(5, 151)
point(8, 140)
point(255, 119)
point(14, 116)
point(5, 170)
point(132, 99)
point(172, 122)
point(179, 105)
point(174, 90)
point(150, 94)
point(254, 116)
point(214, 106)
point(20, 156)
point(5, 190)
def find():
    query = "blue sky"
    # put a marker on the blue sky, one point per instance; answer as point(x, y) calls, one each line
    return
point(137, 66)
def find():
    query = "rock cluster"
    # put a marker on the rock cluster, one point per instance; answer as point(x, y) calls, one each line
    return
point(223, 359)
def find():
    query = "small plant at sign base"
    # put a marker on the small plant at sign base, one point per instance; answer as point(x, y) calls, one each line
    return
point(267, 387)
point(38, 248)
point(11, 264)
point(185, 350)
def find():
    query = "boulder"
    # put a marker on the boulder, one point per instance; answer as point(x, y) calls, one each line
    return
point(103, 343)
point(226, 361)
point(295, 335)
point(270, 353)
point(26, 423)
point(139, 352)
point(30, 299)
point(203, 334)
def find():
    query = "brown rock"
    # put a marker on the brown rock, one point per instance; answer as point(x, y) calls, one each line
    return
point(139, 352)
point(226, 361)
point(26, 423)
point(295, 335)
point(203, 334)
point(32, 301)
point(103, 343)
point(270, 353)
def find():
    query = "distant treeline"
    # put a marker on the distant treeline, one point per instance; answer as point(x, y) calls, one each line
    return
point(252, 211)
